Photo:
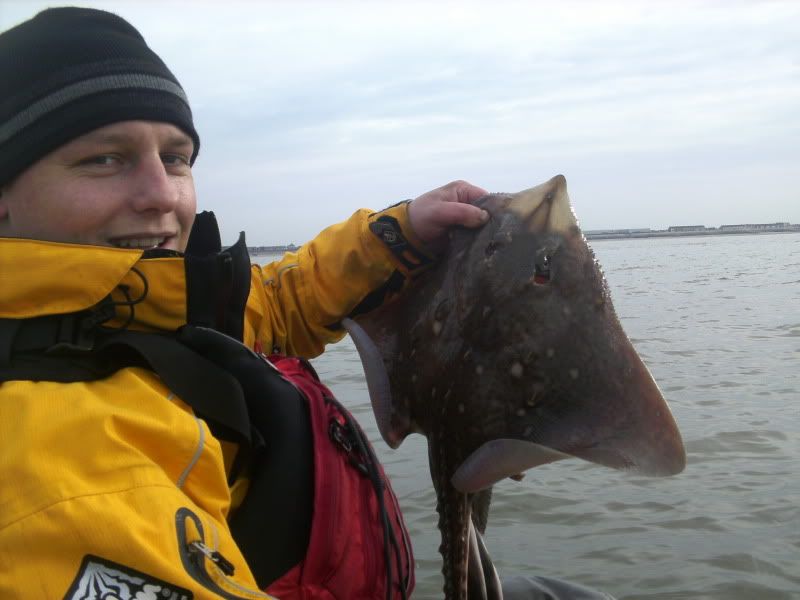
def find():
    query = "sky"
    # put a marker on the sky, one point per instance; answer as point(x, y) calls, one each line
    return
point(658, 113)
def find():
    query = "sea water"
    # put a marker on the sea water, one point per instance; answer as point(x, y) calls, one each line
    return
point(717, 321)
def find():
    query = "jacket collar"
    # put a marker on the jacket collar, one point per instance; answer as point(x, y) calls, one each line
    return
point(46, 278)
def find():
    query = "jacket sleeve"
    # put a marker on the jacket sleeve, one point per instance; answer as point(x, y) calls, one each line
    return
point(349, 268)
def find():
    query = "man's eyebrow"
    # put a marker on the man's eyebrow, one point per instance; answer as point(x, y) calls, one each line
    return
point(179, 139)
point(104, 137)
point(112, 137)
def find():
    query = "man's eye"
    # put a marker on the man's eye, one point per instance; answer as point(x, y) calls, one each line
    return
point(175, 159)
point(102, 160)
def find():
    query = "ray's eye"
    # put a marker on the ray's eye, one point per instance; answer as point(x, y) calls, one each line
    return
point(541, 272)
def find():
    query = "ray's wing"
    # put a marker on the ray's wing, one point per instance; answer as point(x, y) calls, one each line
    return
point(391, 416)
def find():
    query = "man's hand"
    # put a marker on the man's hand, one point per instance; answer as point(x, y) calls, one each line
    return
point(434, 212)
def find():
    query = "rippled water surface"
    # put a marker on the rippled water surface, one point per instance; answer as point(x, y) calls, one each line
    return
point(717, 320)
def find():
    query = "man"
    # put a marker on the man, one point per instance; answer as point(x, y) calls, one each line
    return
point(97, 145)
point(112, 484)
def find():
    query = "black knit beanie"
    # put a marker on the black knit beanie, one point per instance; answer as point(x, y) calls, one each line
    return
point(68, 71)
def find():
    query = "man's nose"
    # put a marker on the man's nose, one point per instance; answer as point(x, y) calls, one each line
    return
point(155, 189)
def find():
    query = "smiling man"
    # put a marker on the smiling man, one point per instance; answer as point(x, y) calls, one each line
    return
point(146, 448)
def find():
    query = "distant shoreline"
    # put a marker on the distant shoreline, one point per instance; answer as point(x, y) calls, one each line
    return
point(689, 232)
point(621, 234)
point(261, 250)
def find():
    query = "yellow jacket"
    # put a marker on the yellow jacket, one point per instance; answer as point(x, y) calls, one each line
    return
point(108, 484)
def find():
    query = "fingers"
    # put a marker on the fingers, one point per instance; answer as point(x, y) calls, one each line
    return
point(466, 192)
point(456, 213)
point(434, 212)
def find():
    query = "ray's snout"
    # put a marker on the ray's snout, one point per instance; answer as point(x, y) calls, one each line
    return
point(545, 207)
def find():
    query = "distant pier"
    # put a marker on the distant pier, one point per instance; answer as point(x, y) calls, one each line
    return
point(691, 230)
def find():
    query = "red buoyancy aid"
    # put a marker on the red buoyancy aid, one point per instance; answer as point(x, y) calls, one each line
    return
point(357, 531)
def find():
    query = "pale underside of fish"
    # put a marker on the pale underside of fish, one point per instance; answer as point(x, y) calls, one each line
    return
point(508, 355)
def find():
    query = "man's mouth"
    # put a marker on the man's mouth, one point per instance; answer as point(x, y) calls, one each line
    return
point(140, 243)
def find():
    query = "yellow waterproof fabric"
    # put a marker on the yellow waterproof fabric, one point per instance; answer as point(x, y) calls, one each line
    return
point(105, 480)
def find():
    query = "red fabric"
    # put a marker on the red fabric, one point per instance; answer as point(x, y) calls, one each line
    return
point(345, 558)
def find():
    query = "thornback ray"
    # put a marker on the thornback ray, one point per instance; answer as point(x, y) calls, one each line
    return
point(508, 354)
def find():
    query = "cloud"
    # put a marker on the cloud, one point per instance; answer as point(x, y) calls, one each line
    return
point(309, 110)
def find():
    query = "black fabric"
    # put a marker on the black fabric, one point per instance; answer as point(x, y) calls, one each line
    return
point(71, 331)
point(272, 527)
point(70, 70)
point(63, 368)
point(235, 298)
point(204, 238)
point(376, 297)
point(217, 282)
point(8, 331)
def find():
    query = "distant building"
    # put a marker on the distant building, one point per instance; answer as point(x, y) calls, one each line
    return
point(616, 231)
point(676, 228)
point(757, 227)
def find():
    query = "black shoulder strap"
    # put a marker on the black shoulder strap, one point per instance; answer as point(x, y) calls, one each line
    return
point(272, 527)
point(41, 350)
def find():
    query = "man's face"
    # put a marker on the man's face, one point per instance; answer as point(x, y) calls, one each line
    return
point(127, 185)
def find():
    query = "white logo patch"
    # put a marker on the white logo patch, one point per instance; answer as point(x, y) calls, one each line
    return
point(101, 579)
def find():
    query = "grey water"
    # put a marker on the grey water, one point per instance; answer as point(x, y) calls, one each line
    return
point(717, 321)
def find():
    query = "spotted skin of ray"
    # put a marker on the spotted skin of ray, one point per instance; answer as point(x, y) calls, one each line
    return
point(513, 336)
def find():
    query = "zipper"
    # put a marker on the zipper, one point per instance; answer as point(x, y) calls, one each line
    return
point(344, 436)
point(214, 556)
point(376, 534)
point(196, 556)
point(405, 577)
point(334, 484)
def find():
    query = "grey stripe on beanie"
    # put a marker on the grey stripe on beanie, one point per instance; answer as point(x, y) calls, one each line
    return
point(68, 71)
point(84, 88)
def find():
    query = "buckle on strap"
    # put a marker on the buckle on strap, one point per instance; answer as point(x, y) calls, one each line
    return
point(76, 332)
